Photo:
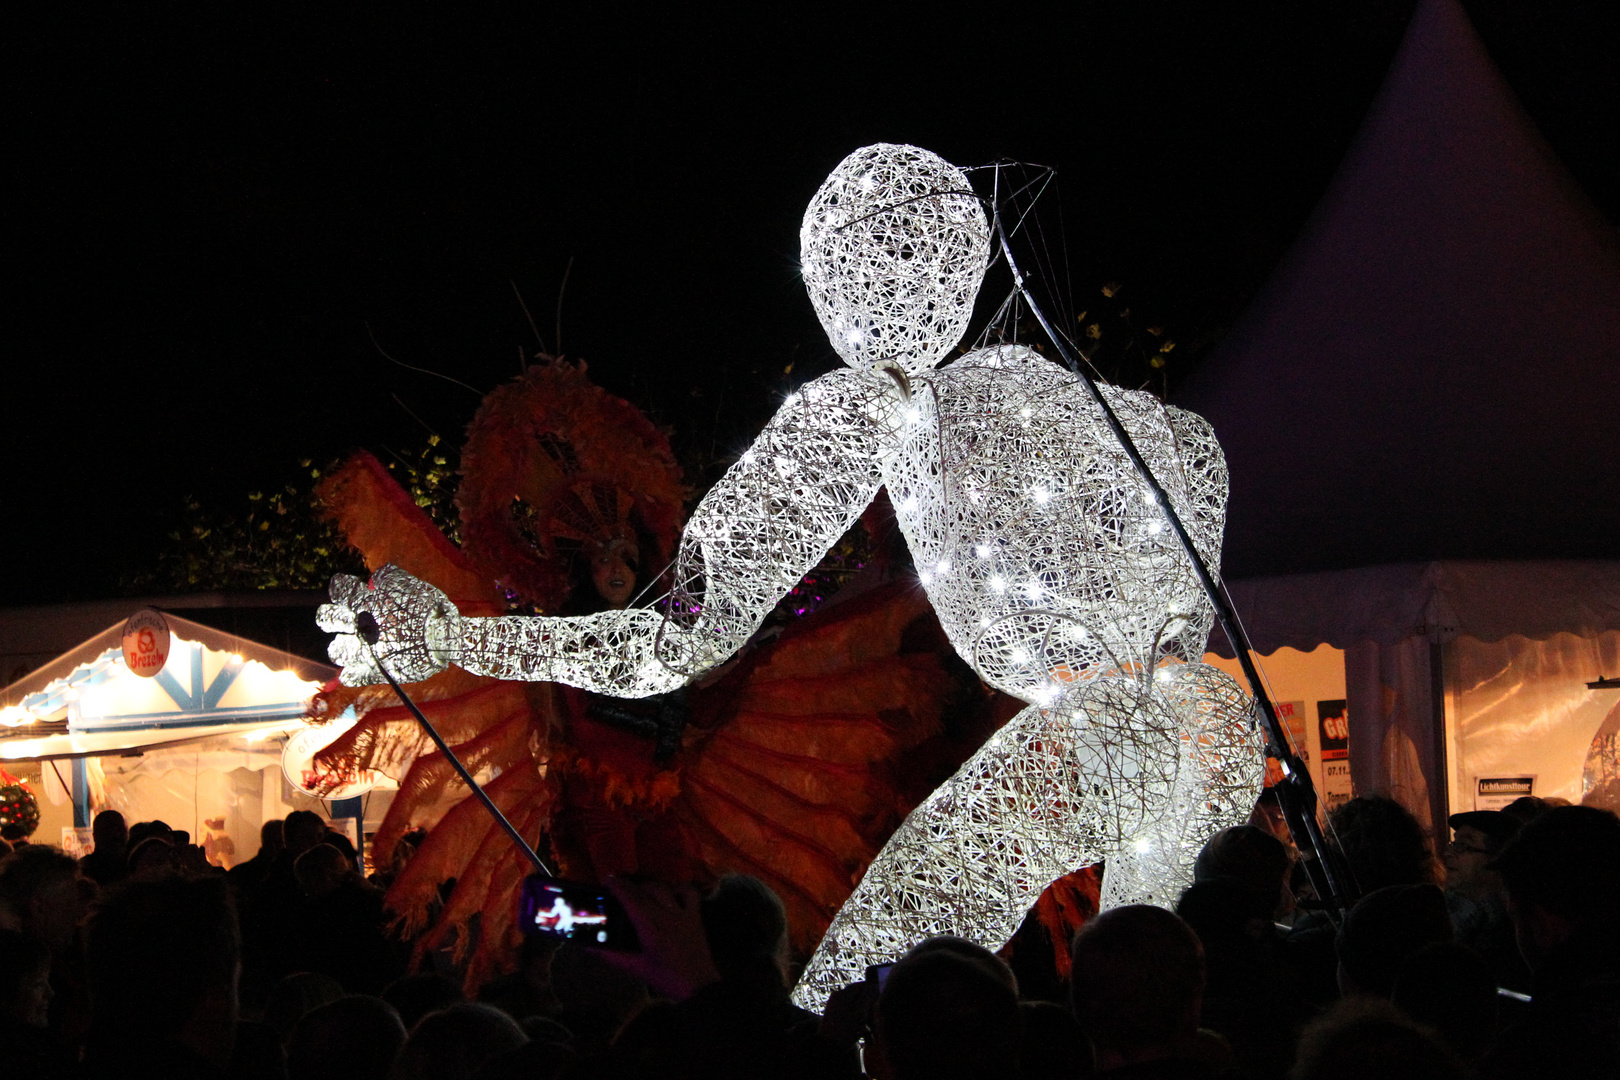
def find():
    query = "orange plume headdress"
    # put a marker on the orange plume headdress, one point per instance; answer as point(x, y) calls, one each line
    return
point(552, 455)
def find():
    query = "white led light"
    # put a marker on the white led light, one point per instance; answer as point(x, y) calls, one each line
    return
point(998, 584)
point(1042, 496)
point(982, 550)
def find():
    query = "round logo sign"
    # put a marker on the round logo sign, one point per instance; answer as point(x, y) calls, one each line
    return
point(146, 643)
point(298, 763)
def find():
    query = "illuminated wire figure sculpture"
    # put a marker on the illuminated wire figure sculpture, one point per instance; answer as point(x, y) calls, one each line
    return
point(1047, 558)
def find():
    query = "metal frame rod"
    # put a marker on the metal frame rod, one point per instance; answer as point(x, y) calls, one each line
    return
point(1296, 794)
point(455, 762)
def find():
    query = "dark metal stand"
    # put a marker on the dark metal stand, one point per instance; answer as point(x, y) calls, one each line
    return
point(1296, 794)
point(368, 632)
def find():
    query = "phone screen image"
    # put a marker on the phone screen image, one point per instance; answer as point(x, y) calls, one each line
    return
point(573, 911)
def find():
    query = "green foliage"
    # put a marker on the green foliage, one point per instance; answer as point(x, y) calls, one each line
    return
point(430, 476)
point(281, 539)
point(271, 540)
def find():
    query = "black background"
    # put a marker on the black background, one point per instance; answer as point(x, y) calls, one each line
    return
point(211, 205)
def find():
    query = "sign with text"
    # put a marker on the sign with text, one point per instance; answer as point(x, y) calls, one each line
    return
point(299, 766)
point(1333, 726)
point(146, 643)
point(1495, 792)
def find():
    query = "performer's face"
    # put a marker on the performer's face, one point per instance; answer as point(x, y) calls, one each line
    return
point(613, 571)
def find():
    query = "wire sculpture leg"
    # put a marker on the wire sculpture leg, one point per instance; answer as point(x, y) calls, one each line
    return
point(1221, 771)
point(1117, 764)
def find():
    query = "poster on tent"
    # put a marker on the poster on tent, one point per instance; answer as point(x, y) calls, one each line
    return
point(1333, 725)
point(1292, 715)
point(1522, 720)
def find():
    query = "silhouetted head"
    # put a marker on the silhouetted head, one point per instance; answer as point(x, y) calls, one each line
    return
point(451, 1044)
point(1384, 844)
point(946, 1015)
point(1562, 875)
point(162, 962)
point(353, 1038)
point(270, 841)
point(1384, 928)
point(746, 927)
point(1368, 1039)
point(1447, 987)
point(414, 996)
point(39, 888)
point(302, 830)
point(1138, 984)
point(321, 869)
point(1251, 856)
point(109, 830)
point(153, 857)
point(25, 979)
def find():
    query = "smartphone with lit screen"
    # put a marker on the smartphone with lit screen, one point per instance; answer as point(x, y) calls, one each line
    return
point(575, 911)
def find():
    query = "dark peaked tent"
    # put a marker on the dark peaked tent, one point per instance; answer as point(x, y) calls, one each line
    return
point(1433, 372)
point(1421, 412)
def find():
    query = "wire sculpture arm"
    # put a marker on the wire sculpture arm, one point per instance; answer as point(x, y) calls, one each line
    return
point(762, 527)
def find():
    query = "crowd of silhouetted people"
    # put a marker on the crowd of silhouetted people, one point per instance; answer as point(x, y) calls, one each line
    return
point(142, 959)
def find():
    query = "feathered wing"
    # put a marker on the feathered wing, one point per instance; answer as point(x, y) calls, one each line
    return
point(380, 520)
point(802, 766)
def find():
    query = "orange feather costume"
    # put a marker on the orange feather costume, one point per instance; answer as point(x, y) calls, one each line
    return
point(793, 763)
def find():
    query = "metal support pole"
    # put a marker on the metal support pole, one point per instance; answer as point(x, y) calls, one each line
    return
point(368, 633)
point(1296, 794)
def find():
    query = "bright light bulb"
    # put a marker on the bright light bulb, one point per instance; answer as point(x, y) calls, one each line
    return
point(925, 577)
point(1019, 656)
point(982, 550)
point(1156, 528)
point(1026, 413)
point(943, 566)
point(1042, 496)
point(914, 414)
point(853, 337)
point(1033, 590)
point(910, 504)
point(998, 583)
point(1143, 846)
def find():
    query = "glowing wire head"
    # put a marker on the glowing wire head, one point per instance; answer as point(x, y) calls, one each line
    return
point(893, 249)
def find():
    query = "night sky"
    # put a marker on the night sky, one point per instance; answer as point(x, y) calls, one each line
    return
point(211, 205)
